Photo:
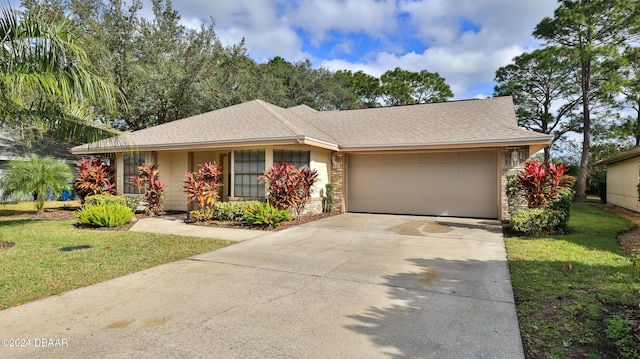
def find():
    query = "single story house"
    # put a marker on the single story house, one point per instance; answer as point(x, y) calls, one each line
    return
point(443, 159)
point(623, 176)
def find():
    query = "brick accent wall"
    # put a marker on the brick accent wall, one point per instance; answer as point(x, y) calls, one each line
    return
point(337, 178)
point(513, 160)
point(313, 207)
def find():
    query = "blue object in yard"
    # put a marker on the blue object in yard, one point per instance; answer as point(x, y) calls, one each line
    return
point(67, 195)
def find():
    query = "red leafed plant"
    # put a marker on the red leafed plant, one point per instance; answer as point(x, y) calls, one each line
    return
point(542, 185)
point(202, 186)
point(289, 186)
point(94, 177)
point(151, 187)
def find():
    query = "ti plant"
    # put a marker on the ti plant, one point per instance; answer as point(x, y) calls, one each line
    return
point(94, 177)
point(151, 187)
point(202, 186)
point(542, 186)
point(289, 187)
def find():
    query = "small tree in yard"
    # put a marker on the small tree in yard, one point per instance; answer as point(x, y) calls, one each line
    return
point(36, 177)
point(202, 186)
point(289, 187)
point(94, 178)
point(149, 185)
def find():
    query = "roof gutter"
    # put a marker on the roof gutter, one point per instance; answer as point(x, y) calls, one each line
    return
point(207, 144)
point(531, 141)
point(619, 157)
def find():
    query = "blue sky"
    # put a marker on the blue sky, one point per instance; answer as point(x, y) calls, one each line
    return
point(465, 41)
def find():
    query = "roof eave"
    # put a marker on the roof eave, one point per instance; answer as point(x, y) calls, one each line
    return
point(273, 141)
point(620, 157)
point(535, 144)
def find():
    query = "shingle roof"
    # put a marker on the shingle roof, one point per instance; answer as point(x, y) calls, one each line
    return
point(469, 121)
point(456, 122)
point(13, 146)
point(625, 155)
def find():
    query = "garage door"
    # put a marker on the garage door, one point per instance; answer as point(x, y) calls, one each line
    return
point(459, 184)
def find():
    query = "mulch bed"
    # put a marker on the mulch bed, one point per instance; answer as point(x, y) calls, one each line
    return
point(68, 214)
point(628, 241)
point(280, 227)
point(48, 214)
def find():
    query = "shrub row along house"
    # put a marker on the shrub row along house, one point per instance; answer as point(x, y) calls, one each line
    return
point(444, 159)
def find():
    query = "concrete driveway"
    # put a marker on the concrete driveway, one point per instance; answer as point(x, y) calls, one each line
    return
point(350, 286)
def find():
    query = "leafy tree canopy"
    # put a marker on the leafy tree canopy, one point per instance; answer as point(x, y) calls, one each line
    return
point(402, 87)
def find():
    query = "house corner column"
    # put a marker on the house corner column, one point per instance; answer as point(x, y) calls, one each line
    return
point(338, 180)
point(512, 161)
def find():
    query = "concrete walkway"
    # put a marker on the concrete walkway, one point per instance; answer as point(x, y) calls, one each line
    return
point(350, 286)
point(175, 225)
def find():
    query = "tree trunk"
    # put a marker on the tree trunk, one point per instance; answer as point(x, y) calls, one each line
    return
point(547, 155)
point(581, 184)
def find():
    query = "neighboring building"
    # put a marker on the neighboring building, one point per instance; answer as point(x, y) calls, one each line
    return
point(14, 147)
point(623, 176)
point(444, 159)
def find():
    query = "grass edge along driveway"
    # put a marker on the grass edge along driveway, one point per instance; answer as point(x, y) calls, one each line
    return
point(576, 294)
point(36, 268)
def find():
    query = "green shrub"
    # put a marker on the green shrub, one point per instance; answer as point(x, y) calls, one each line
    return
point(129, 201)
point(328, 205)
point(635, 262)
point(105, 215)
point(563, 204)
point(201, 215)
point(535, 221)
point(232, 211)
point(265, 214)
point(515, 197)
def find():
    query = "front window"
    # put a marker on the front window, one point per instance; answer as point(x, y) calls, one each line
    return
point(131, 164)
point(249, 164)
point(299, 159)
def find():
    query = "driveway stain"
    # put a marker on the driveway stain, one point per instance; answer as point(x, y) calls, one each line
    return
point(154, 322)
point(436, 227)
point(120, 324)
point(428, 276)
point(420, 228)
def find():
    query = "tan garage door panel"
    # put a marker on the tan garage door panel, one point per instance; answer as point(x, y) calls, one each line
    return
point(460, 184)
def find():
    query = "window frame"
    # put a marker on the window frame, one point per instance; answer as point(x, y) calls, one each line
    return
point(290, 155)
point(248, 165)
point(127, 184)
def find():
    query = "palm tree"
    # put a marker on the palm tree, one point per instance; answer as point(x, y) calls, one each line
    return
point(36, 176)
point(46, 78)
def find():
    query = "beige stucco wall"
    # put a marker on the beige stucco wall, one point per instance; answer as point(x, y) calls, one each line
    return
point(172, 167)
point(321, 162)
point(119, 166)
point(622, 179)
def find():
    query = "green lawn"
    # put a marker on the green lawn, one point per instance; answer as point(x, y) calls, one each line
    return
point(575, 293)
point(36, 268)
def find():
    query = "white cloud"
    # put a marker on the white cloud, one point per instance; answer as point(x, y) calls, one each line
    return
point(317, 17)
point(499, 30)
